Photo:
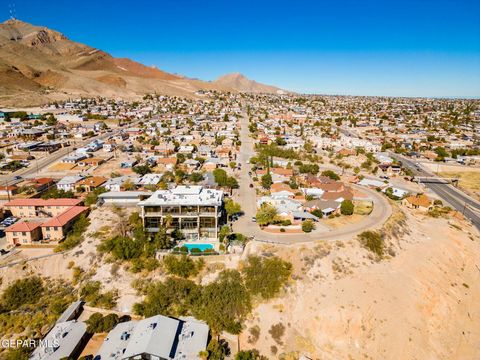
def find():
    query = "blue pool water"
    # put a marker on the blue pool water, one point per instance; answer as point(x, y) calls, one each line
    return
point(202, 247)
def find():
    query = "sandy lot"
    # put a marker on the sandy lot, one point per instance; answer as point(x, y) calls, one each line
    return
point(421, 303)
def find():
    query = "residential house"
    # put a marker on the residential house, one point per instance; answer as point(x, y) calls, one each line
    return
point(194, 210)
point(421, 202)
point(91, 183)
point(91, 161)
point(69, 183)
point(157, 337)
point(65, 340)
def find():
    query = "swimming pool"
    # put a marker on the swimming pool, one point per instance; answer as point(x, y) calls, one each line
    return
point(201, 247)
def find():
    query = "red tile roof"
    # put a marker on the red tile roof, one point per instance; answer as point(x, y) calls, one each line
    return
point(42, 202)
point(23, 226)
point(66, 216)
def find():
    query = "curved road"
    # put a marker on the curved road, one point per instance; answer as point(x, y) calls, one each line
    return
point(246, 196)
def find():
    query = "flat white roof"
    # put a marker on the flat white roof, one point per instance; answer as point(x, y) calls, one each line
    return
point(61, 340)
point(161, 336)
point(185, 195)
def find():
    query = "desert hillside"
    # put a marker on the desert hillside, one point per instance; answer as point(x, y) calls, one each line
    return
point(38, 64)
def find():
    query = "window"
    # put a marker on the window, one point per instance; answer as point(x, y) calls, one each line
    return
point(48, 228)
point(24, 233)
point(189, 223)
point(55, 228)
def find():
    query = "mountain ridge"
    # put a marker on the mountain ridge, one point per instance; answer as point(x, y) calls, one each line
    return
point(39, 65)
point(241, 83)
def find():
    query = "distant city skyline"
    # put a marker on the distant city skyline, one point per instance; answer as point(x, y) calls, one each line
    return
point(378, 48)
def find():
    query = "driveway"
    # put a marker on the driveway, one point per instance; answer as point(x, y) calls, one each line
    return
point(246, 196)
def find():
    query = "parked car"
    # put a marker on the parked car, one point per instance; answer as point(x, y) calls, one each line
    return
point(9, 221)
point(18, 177)
point(251, 185)
point(254, 219)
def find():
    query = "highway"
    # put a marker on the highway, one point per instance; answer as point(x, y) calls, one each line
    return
point(456, 198)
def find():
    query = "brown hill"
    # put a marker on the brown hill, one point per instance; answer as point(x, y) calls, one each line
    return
point(38, 65)
point(239, 82)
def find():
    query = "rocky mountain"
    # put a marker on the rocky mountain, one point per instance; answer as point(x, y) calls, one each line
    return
point(38, 65)
point(239, 82)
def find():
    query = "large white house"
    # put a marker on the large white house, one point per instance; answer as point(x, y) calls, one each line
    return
point(194, 210)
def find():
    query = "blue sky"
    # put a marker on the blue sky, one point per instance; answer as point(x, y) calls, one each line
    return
point(398, 48)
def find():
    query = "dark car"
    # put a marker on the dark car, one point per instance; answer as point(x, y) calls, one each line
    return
point(251, 185)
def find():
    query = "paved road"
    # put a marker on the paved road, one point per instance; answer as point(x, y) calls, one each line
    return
point(246, 196)
point(456, 198)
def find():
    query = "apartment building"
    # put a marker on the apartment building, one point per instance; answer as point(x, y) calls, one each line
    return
point(34, 208)
point(194, 210)
point(37, 232)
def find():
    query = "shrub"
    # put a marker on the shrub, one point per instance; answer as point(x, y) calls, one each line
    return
point(249, 355)
point(372, 241)
point(173, 297)
point(277, 332)
point(91, 293)
point(183, 266)
point(98, 323)
point(317, 212)
point(331, 174)
point(266, 276)
point(75, 236)
point(21, 292)
point(308, 226)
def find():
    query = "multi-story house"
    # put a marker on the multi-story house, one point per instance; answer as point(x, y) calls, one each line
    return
point(194, 210)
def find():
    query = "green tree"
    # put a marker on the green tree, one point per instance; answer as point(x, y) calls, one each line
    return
point(346, 208)
point(266, 214)
point(225, 303)
point(142, 169)
point(266, 181)
point(220, 176)
point(195, 177)
point(54, 193)
point(224, 232)
point(232, 207)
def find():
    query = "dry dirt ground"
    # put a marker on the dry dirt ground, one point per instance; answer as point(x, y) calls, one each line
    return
point(419, 303)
